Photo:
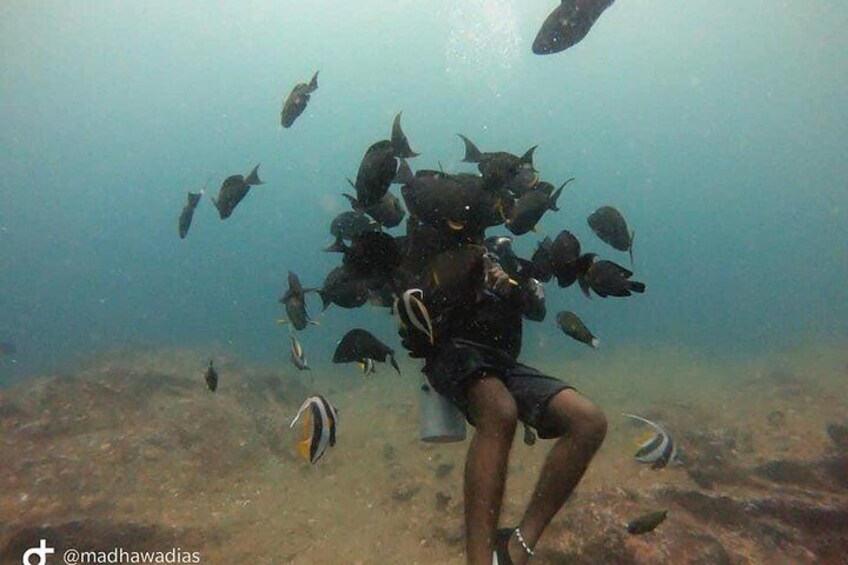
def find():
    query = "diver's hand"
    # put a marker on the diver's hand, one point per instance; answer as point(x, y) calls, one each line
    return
point(497, 280)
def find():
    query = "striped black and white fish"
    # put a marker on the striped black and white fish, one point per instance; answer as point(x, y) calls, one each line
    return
point(298, 356)
point(413, 312)
point(319, 427)
point(660, 450)
point(368, 367)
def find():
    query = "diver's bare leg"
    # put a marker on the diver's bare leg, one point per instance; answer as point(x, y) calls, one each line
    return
point(495, 415)
point(584, 427)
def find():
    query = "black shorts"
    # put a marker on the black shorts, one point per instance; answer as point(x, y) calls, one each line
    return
point(461, 362)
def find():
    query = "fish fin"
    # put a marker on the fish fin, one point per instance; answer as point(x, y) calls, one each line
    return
point(354, 203)
point(313, 84)
point(552, 200)
point(303, 449)
point(595, 343)
point(400, 144)
point(325, 300)
point(500, 207)
point(253, 178)
point(394, 362)
point(528, 156)
point(455, 226)
point(584, 285)
point(472, 154)
point(630, 247)
point(404, 173)
point(441, 169)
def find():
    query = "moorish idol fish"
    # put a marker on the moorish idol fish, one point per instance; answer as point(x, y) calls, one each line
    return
point(319, 427)
point(368, 367)
point(415, 314)
point(298, 356)
point(660, 450)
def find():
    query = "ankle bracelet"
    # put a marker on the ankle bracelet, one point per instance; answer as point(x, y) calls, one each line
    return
point(523, 543)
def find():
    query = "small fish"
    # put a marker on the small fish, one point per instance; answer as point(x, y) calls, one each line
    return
point(233, 190)
point(574, 327)
point(188, 212)
point(660, 450)
point(358, 345)
point(568, 24)
point(346, 226)
point(611, 227)
point(541, 260)
point(298, 357)
point(500, 169)
point(295, 302)
point(647, 522)
point(343, 288)
point(211, 377)
point(564, 254)
point(319, 427)
point(414, 313)
point(607, 278)
point(530, 208)
point(297, 100)
point(387, 212)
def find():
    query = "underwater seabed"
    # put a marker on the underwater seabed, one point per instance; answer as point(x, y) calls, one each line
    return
point(133, 451)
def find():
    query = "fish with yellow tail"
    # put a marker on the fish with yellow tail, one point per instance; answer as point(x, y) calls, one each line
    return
point(659, 450)
point(319, 427)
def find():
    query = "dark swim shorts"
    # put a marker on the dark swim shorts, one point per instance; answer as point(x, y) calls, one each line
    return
point(459, 363)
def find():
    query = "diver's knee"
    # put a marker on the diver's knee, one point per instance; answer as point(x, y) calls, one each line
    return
point(493, 408)
point(591, 428)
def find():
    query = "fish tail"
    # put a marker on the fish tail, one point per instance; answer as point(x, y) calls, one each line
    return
point(313, 84)
point(630, 247)
point(528, 156)
point(253, 178)
point(404, 173)
point(472, 154)
point(637, 287)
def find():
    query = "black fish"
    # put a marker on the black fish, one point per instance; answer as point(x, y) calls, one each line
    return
point(379, 166)
point(188, 212)
point(608, 279)
point(358, 345)
point(211, 377)
point(295, 302)
point(564, 255)
point(574, 327)
point(456, 276)
point(295, 104)
point(568, 24)
point(347, 225)
point(647, 522)
point(500, 169)
point(530, 208)
point(344, 289)
point(387, 212)
point(609, 225)
point(233, 190)
point(458, 202)
point(372, 254)
point(541, 260)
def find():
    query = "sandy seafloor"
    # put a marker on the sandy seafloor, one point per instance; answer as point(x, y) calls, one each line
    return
point(131, 450)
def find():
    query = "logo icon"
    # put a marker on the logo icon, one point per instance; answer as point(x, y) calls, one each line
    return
point(42, 551)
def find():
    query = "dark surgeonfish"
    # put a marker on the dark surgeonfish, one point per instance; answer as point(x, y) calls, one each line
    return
point(501, 169)
point(295, 104)
point(298, 356)
point(379, 166)
point(460, 202)
point(456, 276)
point(211, 377)
point(660, 450)
point(574, 327)
point(387, 212)
point(372, 254)
point(569, 23)
point(358, 345)
point(233, 190)
point(342, 288)
point(564, 253)
point(319, 427)
point(348, 225)
point(188, 212)
point(646, 522)
point(607, 278)
point(609, 225)
point(541, 260)
point(530, 208)
point(295, 302)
